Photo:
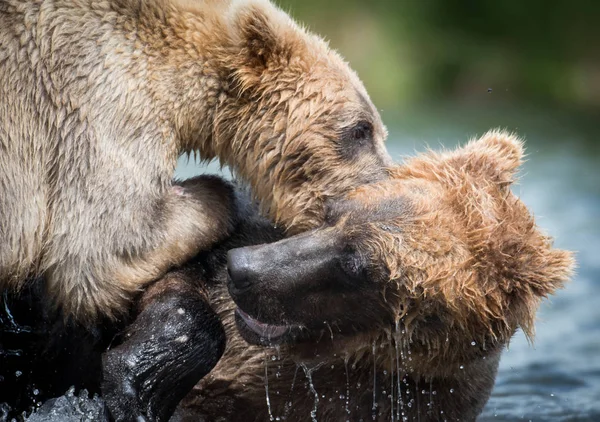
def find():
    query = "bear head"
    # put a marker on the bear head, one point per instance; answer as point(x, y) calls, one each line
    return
point(291, 118)
point(442, 254)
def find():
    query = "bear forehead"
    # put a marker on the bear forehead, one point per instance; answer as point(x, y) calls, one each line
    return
point(428, 210)
point(357, 212)
point(390, 200)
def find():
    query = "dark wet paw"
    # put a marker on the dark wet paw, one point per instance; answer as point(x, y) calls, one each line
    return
point(119, 393)
point(174, 342)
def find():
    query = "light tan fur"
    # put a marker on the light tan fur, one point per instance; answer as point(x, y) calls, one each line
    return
point(99, 98)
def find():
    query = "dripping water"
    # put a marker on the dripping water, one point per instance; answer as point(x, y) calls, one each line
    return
point(392, 388)
point(288, 405)
point(271, 418)
point(399, 402)
point(430, 406)
point(347, 386)
point(330, 330)
point(374, 408)
point(308, 373)
point(418, 404)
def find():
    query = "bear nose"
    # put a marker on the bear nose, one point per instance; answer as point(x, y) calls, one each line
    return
point(239, 270)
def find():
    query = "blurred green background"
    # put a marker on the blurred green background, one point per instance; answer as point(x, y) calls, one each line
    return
point(477, 63)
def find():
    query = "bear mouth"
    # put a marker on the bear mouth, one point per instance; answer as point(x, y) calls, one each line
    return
point(256, 332)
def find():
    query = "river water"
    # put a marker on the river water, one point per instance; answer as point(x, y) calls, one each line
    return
point(558, 377)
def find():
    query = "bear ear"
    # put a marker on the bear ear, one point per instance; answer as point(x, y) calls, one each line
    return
point(546, 273)
point(257, 37)
point(497, 154)
point(264, 36)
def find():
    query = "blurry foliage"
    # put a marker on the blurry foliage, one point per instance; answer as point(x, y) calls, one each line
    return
point(528, 51)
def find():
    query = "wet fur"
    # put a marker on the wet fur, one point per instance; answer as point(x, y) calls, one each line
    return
point(457, 265)
point(99, 98)
point(441, 263)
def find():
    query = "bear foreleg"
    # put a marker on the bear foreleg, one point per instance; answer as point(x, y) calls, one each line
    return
point(175, 340)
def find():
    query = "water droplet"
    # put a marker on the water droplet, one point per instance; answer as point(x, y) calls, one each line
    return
point(18, 373)
point(473, 343)
point(451, 390)
point(36, 391)
point(462, 367)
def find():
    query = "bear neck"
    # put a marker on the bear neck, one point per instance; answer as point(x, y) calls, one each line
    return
point(190, 59)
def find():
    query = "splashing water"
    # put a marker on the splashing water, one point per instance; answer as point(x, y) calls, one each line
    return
point(70, 408)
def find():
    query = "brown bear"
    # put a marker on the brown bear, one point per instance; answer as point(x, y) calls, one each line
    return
point(99, 98)
point(397, 308)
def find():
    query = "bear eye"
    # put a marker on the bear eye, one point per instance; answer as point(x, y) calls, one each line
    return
point(355, 138)
point(362, 130)
point(330, 218)
point(352, 263)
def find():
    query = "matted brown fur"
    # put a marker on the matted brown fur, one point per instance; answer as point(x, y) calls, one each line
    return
point(99, 98)
point(457, 265)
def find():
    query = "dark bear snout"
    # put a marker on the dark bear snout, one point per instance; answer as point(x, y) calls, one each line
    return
point(239, 268)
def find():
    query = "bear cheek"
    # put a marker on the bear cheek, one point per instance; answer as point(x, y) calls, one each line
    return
point(346, 312)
